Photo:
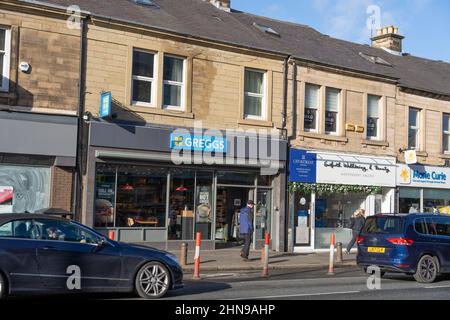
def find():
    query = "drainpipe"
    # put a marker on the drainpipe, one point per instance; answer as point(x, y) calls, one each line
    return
point(290, 137)
point(78, 179)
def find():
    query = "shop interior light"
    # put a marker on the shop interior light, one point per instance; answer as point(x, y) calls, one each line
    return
point(127, 187)
point(181, 188)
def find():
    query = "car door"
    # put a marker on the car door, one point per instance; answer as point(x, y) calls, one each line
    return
point(67, 252)
point(441, 230)
point(18, 255)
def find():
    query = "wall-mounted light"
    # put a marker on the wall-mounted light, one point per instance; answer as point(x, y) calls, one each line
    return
point(25, 67)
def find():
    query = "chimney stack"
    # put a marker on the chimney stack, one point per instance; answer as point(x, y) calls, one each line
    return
point(224, 5)
point(388, 38)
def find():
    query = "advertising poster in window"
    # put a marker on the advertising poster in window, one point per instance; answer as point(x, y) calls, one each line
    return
point(104, 205)
point(6, 199)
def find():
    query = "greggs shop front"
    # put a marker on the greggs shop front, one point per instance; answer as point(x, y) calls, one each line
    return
point(137, 188)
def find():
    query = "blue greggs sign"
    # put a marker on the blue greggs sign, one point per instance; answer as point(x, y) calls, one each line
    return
point(105, 105)
point(198, 143)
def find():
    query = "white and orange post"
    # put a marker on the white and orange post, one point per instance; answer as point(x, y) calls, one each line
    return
point(197, 256)
point(331, 266)
point(265, 272)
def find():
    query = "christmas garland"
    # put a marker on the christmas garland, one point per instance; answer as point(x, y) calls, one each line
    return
point(326, 189)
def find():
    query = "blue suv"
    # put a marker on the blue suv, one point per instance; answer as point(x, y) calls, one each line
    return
point(414, 244)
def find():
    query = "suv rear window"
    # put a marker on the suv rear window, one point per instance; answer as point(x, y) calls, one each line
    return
point(384, 225)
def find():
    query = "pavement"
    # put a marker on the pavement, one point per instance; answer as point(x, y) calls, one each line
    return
point(230, 260)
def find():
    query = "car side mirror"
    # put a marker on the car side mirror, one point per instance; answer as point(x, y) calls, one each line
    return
point(101, 245)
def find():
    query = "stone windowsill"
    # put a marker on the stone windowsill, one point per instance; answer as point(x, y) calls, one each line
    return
point(161, 112)
point(256, 123)
point(376, 143)
point(323, 136)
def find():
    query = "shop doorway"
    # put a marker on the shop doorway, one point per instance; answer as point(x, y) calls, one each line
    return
point(230, 200)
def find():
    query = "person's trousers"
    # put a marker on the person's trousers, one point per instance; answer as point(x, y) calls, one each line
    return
point(352, 242)
point(247, 241)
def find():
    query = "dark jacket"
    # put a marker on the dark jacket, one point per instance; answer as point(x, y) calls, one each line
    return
point(246, 223)
point(356, 224)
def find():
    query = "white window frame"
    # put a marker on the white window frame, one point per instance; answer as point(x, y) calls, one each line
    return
point(6, 60)
point(338, 116)
point(416, 127)
point(317, 108)
point(378, 137)
point(175, 83)
point(257, 95)
point(445, 133)
point(153, 81)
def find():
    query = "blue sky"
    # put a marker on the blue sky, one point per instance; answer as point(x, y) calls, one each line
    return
point(424, 23)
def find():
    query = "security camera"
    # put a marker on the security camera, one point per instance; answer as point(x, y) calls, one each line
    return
point(24, 67)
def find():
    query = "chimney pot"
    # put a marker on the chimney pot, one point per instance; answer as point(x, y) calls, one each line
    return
point(224, 5)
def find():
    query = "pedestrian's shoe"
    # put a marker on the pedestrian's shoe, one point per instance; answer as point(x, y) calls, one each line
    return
point(242, 255)
point(347, 252)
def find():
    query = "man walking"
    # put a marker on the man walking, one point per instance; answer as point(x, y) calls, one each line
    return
point(246, 228)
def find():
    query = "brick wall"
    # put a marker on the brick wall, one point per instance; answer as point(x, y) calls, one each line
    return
point(61, 196)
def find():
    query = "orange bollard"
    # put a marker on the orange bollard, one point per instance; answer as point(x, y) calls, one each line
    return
point(265, 272)
point(197, 256)
point(331, 266)
point(111, 234)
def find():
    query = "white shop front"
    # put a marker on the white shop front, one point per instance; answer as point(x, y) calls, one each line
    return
point(326, 189)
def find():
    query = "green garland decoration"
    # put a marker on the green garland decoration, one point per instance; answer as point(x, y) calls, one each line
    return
point(327, 189)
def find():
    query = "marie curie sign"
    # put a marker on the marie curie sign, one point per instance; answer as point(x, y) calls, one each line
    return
point(423, 176)
point(198, 143)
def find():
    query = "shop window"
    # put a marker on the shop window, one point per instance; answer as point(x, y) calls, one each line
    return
point(174, 82)
point(373, 117)
point(446, 133)
point(414, 129)
point(141, 197)
point(143, 78)
point(24, 189)
point(203, 204)
point(254, 95)
point(409, 200)
point(235, 178)
point(5, 48)
point(105, 196)
point(311, 118)
point(332, 111)
point(333, 214)
point(181, 205)
point(435, 200)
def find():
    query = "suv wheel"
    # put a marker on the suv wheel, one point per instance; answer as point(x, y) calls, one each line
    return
point(2, 287)
point(427, 270)
point(152, 280)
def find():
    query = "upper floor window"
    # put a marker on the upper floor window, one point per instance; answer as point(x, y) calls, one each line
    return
point(414, 129)
point(143, 78)
point(373, 117)
point(174, 68)
point(311, 121)
point(5, 48)
point(254, 95)
point(446, 133)
point(332, 111)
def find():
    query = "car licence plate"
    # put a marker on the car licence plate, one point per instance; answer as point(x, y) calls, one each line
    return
point(376, 250)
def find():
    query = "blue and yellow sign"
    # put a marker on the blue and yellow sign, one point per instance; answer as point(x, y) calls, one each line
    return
point(198, 143)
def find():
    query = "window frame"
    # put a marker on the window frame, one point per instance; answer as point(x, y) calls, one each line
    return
point(153, 80)
point(182, 107)
point(318, 87)
point(257, 95)
point(4, 87)
point(416, 128)
point(378, 123)
point(338, 113)
point(445, 133)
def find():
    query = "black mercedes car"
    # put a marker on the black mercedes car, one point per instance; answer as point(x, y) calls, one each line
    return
point(47, 254)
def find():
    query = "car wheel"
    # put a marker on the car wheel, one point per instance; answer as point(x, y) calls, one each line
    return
point(152, 280)
point(2, 287)
point(427, 270)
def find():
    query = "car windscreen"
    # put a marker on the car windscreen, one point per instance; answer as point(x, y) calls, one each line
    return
point(383, 225)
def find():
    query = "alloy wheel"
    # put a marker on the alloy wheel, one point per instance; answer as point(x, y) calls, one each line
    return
point(153, 280)
point(427, 270)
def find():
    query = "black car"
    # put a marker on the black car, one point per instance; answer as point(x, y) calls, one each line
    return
point(46, 254)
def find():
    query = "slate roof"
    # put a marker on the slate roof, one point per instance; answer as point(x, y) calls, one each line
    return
point(197, 18)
